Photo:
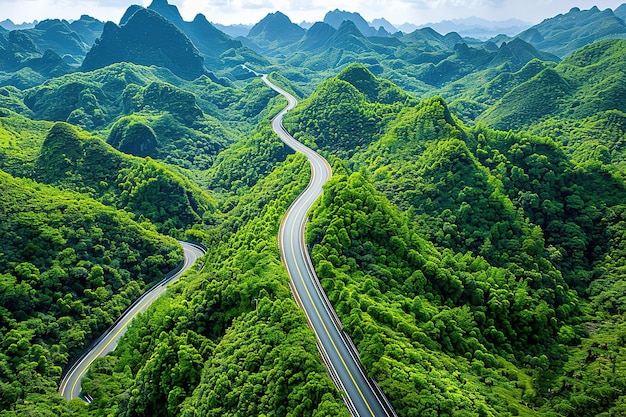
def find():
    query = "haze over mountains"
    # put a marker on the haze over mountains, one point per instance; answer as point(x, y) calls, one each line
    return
point(472, 239)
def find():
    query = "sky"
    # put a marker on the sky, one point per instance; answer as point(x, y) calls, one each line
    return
point(251, 11)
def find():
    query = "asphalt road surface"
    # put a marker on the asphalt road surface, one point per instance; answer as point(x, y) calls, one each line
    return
point(70, 386)
point(361, 395)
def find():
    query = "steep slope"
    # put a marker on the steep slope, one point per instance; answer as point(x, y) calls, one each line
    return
point(230, 340)
point(74, 160)
point(352, 121)
point(621, 12)
point(59, 36)
point(88, 28)
point(316, 36)
point(54, 34)
point(529, 102)
point(146, 39)
point(220, 51)
point(120, 93)
point(565, 33)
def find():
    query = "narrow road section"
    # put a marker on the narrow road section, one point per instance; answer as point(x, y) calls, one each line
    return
point(361, 395)
point(70, 386)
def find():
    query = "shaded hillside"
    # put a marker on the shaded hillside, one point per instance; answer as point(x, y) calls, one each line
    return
point(565, 33)
point(421, 61)
point(74, 160)
point(340, 117)
point(621, 12)
point(336, 18)
point(88, 28)
point(62, 37)
point(146, 39)
point(100, 99)
point(247, 348)
point(24, 64)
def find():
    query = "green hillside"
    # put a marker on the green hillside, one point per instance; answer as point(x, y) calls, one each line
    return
point(163, 44)
point(69, 267)
point(568, 101)
point(231, 340)
point(72, 159)
point(567, 32)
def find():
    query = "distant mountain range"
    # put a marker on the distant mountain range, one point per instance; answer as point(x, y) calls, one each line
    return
point(433, 55)
point(475, 27)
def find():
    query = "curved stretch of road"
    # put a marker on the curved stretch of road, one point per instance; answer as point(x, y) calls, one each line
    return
point(70, 386)
point(361, 395)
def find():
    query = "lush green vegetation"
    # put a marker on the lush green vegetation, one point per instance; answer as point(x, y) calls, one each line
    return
point(72, 159)
point(491, 266)
point(480, 272)
point(69, 267)
point(230, 340)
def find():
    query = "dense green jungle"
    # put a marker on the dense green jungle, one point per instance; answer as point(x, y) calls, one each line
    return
point(472, 238)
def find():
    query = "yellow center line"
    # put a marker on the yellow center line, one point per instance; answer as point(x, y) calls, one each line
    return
point(327, 332)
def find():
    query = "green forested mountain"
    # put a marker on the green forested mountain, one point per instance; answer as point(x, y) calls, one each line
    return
point(52, 48)
point(336, 17)
point(569, 102)
point(274, 31)
point(220, 51)
point(233, 336)
point(472, 238)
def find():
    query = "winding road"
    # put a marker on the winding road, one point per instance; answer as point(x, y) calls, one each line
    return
point(361, 395)
point(70, 386)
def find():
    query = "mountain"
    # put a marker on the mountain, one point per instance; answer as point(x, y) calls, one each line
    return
point(407, 27)
point(74, 160)
point(582, 85)
point(275, 30)
point(382, 22)
point(45, 43)
point(517, 53)
point(72, 265)
point(132, 100)
point(621, 11)
point(418, 192)
point(88, 28)
point(466, 60)
point(234, 31)
point(146, 39)
point(563, 34)
point(9, 25)
point(59, 36)
point(348, 37)
point(317, 36)
point(429, 40)
point(475, 27)
point(210, 41)
point(336, 17)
